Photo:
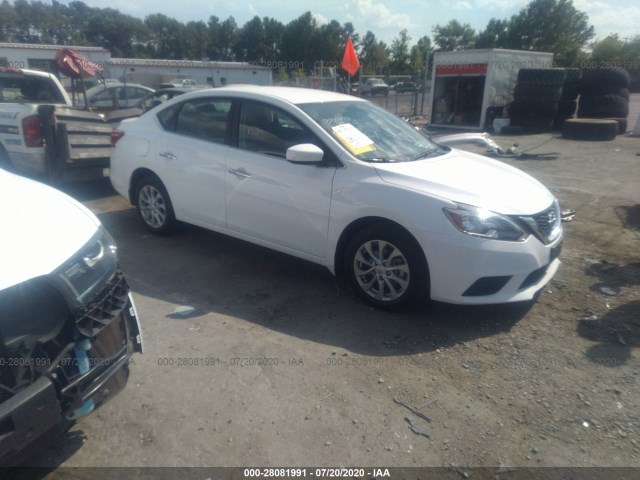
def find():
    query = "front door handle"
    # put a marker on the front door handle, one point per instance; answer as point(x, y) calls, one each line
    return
point(168, 155)
point(240, 173)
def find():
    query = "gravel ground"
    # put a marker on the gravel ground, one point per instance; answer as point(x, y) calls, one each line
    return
point(554, 383)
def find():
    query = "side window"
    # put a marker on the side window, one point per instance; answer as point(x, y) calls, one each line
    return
point(135, 93)
point(269, 130)
point(104, 95)
point(203, 118)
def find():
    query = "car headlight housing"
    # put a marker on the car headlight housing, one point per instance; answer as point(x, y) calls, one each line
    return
point(482, 223)
point(90, 268)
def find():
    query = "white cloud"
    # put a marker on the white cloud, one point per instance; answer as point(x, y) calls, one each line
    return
point(321, 19)
point(501, 4)
point(608, 17)
point(461, 5)
point(377, 14)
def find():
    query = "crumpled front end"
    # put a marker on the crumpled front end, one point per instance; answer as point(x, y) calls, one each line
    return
point(66, 341)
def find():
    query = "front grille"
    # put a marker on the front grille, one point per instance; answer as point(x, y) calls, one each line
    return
point(546, 224)
point(106, 306)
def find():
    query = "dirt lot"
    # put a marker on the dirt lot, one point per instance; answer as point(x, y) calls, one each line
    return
point(555, 383)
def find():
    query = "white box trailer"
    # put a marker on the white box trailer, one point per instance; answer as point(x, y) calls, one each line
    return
point(466, 84)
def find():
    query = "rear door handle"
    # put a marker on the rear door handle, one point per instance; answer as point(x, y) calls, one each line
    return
point(240, 173)
point(168, 155)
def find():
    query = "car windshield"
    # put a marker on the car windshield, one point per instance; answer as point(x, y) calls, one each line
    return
point(371, 133)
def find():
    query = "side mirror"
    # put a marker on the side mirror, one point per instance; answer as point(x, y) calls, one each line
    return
point(305, 153)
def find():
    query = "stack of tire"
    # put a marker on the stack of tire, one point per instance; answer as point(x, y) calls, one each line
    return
point(536, 98)
point(604, 94)
point(568, 103)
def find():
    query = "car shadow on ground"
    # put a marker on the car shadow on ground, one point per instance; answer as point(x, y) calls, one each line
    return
point(216, 273)
point(54, 455)
point(616, 334)
point(88, 190)
point(618, 331)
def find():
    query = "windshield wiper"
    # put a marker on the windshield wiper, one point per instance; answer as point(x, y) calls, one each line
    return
point(428, 154)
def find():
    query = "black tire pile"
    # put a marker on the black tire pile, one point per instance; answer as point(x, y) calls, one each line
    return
point(604, 93)
point(569, 100)
point(537, 98)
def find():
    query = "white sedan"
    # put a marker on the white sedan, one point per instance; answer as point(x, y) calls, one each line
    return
point(338, 181)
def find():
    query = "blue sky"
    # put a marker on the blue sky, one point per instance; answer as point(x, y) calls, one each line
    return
point(385, 18)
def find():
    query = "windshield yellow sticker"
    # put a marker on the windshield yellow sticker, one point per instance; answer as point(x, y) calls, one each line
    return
point(352, 138)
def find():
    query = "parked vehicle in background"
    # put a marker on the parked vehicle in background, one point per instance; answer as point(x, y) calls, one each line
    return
point(112, 96)
point(403, 87)
point(68, 324)
point(160, 96)
point(181, 82)
point(43, 135)
point(374, 86)
point(338, 181)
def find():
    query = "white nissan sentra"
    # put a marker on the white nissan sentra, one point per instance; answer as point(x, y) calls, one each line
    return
point(338, 181)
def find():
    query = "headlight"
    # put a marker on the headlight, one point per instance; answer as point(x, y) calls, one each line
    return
point(91, 268)
point(484, 223)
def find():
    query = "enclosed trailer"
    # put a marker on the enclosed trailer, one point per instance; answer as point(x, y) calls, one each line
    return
point(468, 86)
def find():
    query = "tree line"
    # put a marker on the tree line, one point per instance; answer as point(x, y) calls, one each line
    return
point(304, 44)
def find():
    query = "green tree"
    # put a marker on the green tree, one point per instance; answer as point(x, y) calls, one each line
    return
point(167, 36)
point(551, 26)
point(196, 40)
point(615, 51)
point(8, 22)
point(373, 55)
point(227, 39)
point(454, 36)
point(298, 41)
point(419, 54)
point(252, 41)
point(400, 54)
point(123, 35)
point(495, 35)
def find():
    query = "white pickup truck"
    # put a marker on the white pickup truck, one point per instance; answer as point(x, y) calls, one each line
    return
point(43, 135)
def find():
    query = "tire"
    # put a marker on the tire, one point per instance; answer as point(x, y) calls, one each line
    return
point(546, 110)
point(533, 116)
point(512, 130)
point(603, 106)
point(537, 93)
point(598, 90)
point(567, 109)
point(622, 125)
point(542, 76)
point(388, 288)
point(154, 206)
point(574, 75)
point(613, 77)
point(590, 129)
point(570, 92)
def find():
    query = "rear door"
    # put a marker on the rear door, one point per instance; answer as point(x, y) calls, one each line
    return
point(269, 198)
point(191, 156)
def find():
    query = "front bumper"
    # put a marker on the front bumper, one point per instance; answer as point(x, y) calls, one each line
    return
point(473, 271)
point(50, 403)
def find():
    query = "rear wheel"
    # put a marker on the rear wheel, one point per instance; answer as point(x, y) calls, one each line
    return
point(154, 205)
point(385, 266)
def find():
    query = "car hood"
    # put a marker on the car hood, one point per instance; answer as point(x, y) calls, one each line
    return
point(465, 177)
point(41, 228)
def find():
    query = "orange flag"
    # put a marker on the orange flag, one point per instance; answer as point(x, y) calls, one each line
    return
point(350, 62)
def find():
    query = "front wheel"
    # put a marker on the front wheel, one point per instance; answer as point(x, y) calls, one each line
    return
point(154, 205)
point(385, 266)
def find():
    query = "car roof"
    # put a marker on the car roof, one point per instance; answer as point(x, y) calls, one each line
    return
point(294, 95)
